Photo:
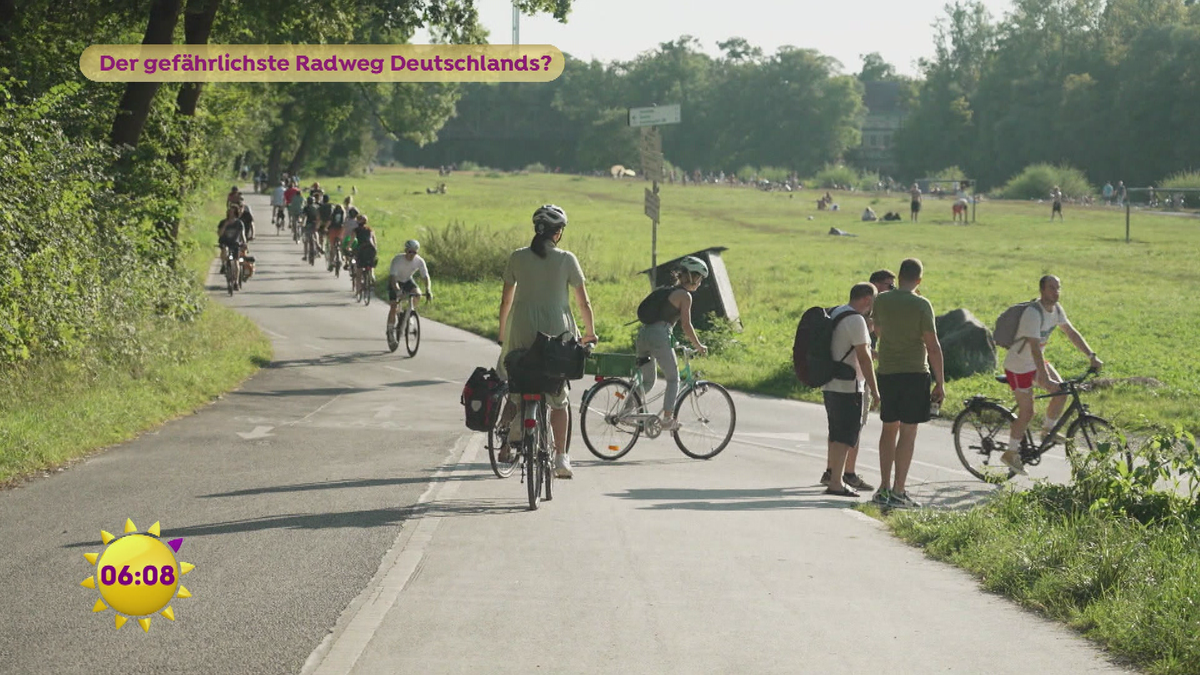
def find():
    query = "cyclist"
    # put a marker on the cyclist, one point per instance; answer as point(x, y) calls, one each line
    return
point(324, 214)
point(337, 217)
point(365, 251)
point(654, 339)
point(247, 218)
point(231, 234)
point(295, 205)
point(1025, 364)
point(278, 201)
point(348, 241)
point(233, 198)
point(310, 226)
point(534, 300)
point(405, 266)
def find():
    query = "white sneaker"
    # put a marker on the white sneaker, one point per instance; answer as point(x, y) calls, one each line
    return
point(562, 466)
point(1012, 459)
point(671, 424)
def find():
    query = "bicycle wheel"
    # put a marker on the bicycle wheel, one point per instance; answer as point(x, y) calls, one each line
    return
point(337, 261)
point(1090, 432)
point(496, 436)
point(412, 335)
point(546, 437)
point(600, 419)
point(229, 280)
point(368, 288)
point(981, 433)
point(533, 467)
point(706, 419)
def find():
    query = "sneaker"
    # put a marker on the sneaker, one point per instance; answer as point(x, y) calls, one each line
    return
point(901, 500)
point(1012, 459)
point(826, 477)
point(853, 480)
point(882, 497)
point(671, 424)
point(562, 466)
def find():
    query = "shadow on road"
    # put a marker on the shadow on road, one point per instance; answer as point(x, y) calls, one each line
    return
point(360, 483)
point(747, 499)
point(316, 391)
point(327, 359)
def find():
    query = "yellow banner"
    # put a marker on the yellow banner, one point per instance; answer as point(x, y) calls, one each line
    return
point(321, 63)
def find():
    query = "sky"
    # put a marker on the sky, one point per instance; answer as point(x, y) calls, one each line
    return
point(900, 30)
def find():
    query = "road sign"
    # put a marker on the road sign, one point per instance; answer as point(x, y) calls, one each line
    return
point(652, 117)
point(652, 203)
point(651, 139)
point(652, 163)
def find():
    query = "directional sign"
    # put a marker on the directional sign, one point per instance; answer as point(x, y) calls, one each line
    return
point(652, 117)
point(651, 140)
point(652, 163)
point(652, 203)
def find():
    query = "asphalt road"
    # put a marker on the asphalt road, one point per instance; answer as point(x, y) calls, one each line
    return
point(342, 519)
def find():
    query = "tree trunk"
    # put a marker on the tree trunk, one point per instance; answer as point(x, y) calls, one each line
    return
point(274, 160)
point(302, 149)
point(8, 19)
point(135, 104)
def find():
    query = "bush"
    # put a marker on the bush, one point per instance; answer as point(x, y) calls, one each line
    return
point(1184, 180)
point(79, 268)
point(949, 173)
point(1036, 180)
point(536, 167)
point(468, 165)
point(470, 253)
point(830, 176)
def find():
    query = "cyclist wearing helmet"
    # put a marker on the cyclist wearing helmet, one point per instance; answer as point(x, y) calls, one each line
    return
point(405, 266)
point(654, 339)
point(534, 300)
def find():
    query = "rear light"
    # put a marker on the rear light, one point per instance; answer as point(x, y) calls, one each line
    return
point(529, 424)
point(599, 378)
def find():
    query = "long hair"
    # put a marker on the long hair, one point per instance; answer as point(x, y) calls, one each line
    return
point(680, 276)
point(538, 245)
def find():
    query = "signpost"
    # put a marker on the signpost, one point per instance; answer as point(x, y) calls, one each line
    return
point(649, 119)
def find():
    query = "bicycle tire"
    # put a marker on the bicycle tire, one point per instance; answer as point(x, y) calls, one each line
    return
point(497, 433)
point(412, 334)
point(547, 451)
point(606, 418)
point(533, 468)
point(687, 425)
point(986, 419)
point(337, 262)
point(1090, 431)
point(366, 292)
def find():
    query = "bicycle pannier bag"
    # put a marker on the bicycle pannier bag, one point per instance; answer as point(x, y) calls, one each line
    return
point(1005, 333)
point(482, 398)
point(812, 357)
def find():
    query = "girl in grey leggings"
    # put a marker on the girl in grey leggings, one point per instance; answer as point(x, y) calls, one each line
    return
point(654, 338)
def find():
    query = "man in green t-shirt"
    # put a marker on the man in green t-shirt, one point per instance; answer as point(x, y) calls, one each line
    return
point(908, 350)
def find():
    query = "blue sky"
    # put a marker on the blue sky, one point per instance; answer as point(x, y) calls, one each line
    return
point(900, 30)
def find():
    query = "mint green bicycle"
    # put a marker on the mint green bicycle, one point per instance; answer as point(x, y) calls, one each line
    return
point(613, 415)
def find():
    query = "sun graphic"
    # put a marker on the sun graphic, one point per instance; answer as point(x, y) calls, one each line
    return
point(137, 575)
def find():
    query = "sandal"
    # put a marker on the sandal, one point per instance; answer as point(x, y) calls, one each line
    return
point(844, 492)
point(505, 456)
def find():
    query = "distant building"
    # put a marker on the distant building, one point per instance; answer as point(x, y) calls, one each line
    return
point(885, 114)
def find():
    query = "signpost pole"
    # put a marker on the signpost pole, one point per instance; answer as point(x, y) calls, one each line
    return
point(649, 120)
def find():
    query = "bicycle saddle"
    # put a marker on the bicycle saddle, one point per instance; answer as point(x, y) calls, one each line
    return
point(1002, 379)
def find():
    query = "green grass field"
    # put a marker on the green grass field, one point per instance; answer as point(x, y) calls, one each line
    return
point(1128, 300)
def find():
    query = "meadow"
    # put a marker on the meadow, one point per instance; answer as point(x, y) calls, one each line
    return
point(1128, 299)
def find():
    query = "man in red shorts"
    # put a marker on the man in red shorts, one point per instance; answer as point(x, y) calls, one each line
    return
point(1026, 365)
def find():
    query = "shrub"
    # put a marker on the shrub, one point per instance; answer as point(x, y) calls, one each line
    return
point(536, 167)
point(1036, 180)
point(835, 175)
point(471, 253)
point(1184, 180)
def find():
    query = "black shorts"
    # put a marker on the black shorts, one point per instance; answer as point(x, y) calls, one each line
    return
point(904, 397)
point(406, 287)
point(916, 207)
point(1057, 208)
point(844, 412)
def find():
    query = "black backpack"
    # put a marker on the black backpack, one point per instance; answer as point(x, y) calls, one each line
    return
point(339, 215)
point(651, 309)
point(482, 398)
point(812, 356)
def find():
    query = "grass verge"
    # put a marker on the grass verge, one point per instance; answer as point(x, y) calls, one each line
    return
point(52, 412)
point(1113, 554)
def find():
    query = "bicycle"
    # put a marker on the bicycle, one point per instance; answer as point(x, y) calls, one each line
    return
point(981, 430)
point(335, 257)
point(278, 220)
point(498, 435)
point(612, 414)
point(310, 248)
point(366, 284)
point(233, 270)
point(294, 223)
point(408, 324)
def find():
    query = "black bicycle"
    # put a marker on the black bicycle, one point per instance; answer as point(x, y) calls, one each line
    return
point(498, 436)
point(981, 432)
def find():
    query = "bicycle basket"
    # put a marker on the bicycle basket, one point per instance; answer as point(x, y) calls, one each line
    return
point(610, 365)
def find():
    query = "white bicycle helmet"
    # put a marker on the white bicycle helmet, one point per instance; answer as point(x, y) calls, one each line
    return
point(412, 245)
point(549, 218)
point(694, 264)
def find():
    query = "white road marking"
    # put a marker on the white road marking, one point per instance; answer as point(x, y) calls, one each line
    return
point(315, 349)
point(259, 432)
point(799, 436)
point(398, 370)
point(341, 649)
point(273, 333)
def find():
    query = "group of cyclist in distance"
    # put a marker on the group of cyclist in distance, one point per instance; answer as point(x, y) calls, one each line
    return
point(535, 299)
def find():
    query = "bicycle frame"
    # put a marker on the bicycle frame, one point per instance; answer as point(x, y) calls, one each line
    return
point(687, 380)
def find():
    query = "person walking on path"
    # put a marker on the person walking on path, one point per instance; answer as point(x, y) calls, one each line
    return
point(535, 300)
point(908, 351)
point(1025, 364)
point(1057, 197)
point(846, 401)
